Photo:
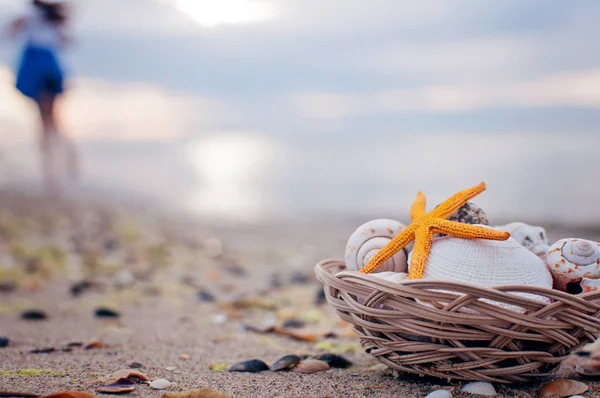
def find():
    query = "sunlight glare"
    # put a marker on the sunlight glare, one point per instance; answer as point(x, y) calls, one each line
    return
point(211, 13)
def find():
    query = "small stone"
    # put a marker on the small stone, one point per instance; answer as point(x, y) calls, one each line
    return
point(293, 324)
point(252, 365)
point(106, 313)
point(43, 350)
point(170, 368)
point(299, 278)
point(135, 365)
point(160, 384)
point(286, 363)
point(79, 287)
point(219, 319)
point(335, 361)
point(320, 296)
point(185, 357)
point(4, 341)
point(124, 279)
point(34, 315)
point(120, 386)
point(205, 296)
point(7, 287)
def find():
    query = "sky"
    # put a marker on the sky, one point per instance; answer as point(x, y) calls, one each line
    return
point(242, 107)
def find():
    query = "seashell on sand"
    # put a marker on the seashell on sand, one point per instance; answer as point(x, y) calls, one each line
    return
point(160, 384)
point(252, 366)
point(562, 388)
point(120, 386)
point(335, 361)
point(311, 366)
point(439, 394)
point(570, 260)
point(131, 374)
point(487, 263)
point(285, 363)
point(480, 388)
point(532, 237)
point(368, 239)
point(69, 394)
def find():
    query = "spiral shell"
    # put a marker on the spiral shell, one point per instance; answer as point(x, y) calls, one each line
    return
point(532, 237)
point(571, 260)
point(368, 239)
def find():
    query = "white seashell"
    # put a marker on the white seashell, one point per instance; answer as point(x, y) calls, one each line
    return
point(487, 263)
point(571, 260)
point(160, 384)
point(439, 394)
point(532, 237)
point(368, 239)
point(480, 388)
point(396, 277)
point(590, 285)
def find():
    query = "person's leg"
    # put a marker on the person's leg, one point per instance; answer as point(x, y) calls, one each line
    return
point(48, 144)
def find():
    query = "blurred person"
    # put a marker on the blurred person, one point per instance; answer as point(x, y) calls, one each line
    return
point(40, 76)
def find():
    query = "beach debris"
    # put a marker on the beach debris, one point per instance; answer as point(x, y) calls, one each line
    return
point(439, 394)
point(252, 365)
point(204, 392)
point(70, 394)
point(96, 344)
point(103, 312)
point(311, 366)
point(480, 388)
point(370, 238)
point(185, 357)
point(4, 341)
point(570, 260)
point(160, 384)
point(293, 324)
point(75, 344)
point(170, 368)
point(47, 350)
point(217, 367)
point(124, 279)
point(80, 287)
point(129, 374)
point(285, 363)
point(335, 361)
point(205, 296)
point(34, 315)
point(121, 386)
point(14, 394)
point(135, 365)
point(562, 388)
point(219, 319)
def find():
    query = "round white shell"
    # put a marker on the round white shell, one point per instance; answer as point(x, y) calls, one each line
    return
point(480, 388)
point(486, 263)
point(532, 237)
point(571, 259)
point(160, 384)
point(439, 394)
point(368, 239)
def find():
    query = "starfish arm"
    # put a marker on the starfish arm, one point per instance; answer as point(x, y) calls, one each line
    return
point(418, 206)
point(468, 231)
point(420, 251)
point(391, 248)
point(453, 203)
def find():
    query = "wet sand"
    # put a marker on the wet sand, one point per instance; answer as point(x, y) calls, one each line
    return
point(257, 275)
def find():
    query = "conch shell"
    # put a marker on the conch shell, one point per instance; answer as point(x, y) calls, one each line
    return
point(368, 239)
point(532, 237)
point(487, 263)
point(571, 260)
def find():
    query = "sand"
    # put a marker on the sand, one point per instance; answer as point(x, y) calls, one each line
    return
point(162, 317)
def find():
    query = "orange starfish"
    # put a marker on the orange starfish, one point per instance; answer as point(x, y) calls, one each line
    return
point(424, 225)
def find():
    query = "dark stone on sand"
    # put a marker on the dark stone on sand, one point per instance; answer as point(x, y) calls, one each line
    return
point(136, 365)
point(335, 361)
point(320, 297)
point(299, 278)
point(203, 295)
point(34, 315)
point(7, 287)
point(43, 350)
point(79, 287)
point(252, 366)
point(75, 344)
point(4, 341)
point(293, 324)
point(111, 244)
point(286, 362)
point(106, 313)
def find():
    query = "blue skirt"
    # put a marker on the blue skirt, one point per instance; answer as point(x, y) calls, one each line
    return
point(39, 73)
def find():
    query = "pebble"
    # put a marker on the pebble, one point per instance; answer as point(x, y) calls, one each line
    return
point(124, 279)
point(219, 319)
point(170, 368)
point(135, 365)
point(320, 296)
point(205, 296)
point(293, 324)
point(285, 363)
point(253, 366)
point(106, 313)
point(34, 315)
point(43, 350)
point(299, 278)
point(4, 341)
point(7, 287)
point(160, 384)
point(335, 361)
point(185, 357)
point(79, 287)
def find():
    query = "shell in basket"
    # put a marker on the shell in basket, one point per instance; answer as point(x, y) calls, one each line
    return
point(570, 260)
point(532, 237)
point(486, 263)
point(590, 285)
point(368, 239)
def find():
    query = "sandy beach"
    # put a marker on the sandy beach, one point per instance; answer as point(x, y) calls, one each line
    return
point(192, 299)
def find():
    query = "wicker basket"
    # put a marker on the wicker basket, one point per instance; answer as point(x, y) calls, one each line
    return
point(460, 334)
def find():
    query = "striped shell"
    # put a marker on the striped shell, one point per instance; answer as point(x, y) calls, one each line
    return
point(368, 239)
point(532, 237)
point(571, 260)
point(486, 263)
point(480, 388)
